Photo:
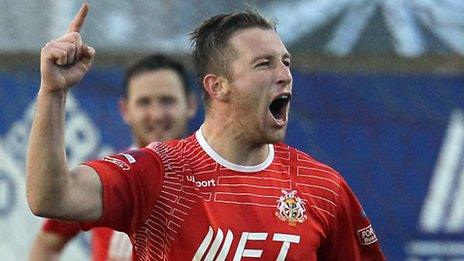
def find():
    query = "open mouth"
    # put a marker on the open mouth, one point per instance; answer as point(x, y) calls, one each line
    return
point(278, 106)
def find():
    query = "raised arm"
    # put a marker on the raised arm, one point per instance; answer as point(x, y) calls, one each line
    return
point(52, 189)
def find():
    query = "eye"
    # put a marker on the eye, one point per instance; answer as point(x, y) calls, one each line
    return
point(263, 64)
point(286, 62)
point(144, 101)
point(167, 100)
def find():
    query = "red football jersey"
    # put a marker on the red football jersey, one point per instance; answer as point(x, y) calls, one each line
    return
point(107, 244)
point(180, 200)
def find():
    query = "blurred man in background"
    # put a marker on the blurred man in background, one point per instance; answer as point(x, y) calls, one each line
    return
point(157, 104)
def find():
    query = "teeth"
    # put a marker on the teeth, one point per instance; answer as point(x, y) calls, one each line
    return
point(284, 96)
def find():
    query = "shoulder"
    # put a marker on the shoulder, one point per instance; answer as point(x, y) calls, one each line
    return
point(172, 146)
point(303, 160)
point(310, 171)
point(176, 154)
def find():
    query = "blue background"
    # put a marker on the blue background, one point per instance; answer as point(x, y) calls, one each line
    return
point(382, 132)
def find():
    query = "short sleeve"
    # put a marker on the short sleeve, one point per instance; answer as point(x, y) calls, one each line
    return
point(351, 235)
point(63, 229)
point(131, 182)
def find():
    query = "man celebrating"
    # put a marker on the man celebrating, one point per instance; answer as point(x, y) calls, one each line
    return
point(230, 191)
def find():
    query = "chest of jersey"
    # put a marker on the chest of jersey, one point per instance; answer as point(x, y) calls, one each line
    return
point(227, 215)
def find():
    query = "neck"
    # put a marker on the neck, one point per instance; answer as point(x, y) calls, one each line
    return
point(233, 144)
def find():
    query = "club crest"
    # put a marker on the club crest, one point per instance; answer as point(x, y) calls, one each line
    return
point(291, 208)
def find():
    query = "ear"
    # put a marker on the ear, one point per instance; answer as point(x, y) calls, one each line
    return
point(217, 87)
point(123, 109)
point(192, 103)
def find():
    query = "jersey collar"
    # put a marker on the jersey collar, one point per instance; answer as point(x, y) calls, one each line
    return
point(219, 159)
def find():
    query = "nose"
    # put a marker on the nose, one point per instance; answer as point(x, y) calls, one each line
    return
point(156, 112)
point(284, 75)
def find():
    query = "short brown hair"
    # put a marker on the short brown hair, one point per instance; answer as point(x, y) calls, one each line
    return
point(209, 42)
point(155, 62)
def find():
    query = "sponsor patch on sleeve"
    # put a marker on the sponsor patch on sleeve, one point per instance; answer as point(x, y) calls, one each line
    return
point(366, 236)
point(120, 163)
point(128, 157)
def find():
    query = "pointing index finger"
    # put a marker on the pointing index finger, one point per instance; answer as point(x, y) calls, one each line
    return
point(78, 20)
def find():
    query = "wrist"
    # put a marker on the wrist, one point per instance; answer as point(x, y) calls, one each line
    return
point(51, 91)
point(45, 96)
